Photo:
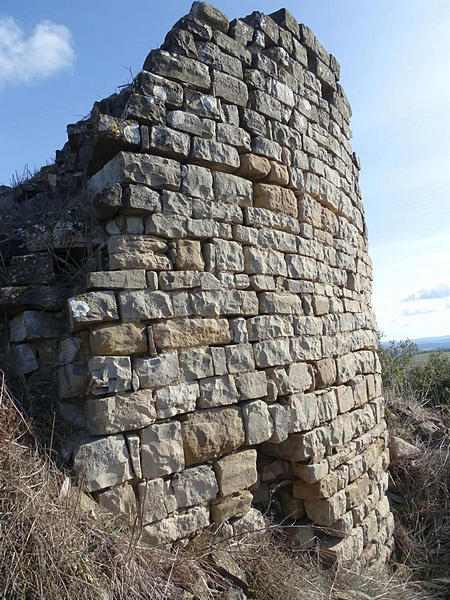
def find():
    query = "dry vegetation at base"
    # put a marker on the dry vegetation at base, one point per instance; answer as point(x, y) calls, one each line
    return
point(55, 544)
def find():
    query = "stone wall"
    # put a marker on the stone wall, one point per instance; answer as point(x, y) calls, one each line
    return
point(201, 293)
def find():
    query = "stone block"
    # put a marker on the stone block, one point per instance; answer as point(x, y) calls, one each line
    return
point(188, 256)
point(121, 412)
point(240, 358)
point(156, 500)
point(264, 261)
point(209, 153)
point(130, 279)
point(254, 167)
point(272, 353)
point(196, 363)
point(275, 198)
point(25, 359)
point(304, 412)
point(296, 377)
point(140, 200)
point(72, 380)
point(326, 511)
point(251, 385)
point(232, 189)
point(120, 501)
point(236, 505)
point(162, 450)
point(109, 374)
point(186, 333)
point(325, 372)
point(194, 486)
point(131, 167)
point(217, 391)
point(102, 462)
point(176, 399)
point(233, 135)
point(169, 142)
point(211, 434)
point(236, 472)
point(209, 14)
point(258, 422)
point(158, 371)
point(144, 305)
point(93, 307)
point(176, 527)
point(137, 252)
point(154, 86)
point(145, 109)
point(267, 327)
point(179, 68)
point(119, 339)
point(229, 88)
point(31, 268)
point(197, 182)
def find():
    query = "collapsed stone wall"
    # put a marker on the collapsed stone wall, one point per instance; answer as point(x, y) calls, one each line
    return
point(216, 338)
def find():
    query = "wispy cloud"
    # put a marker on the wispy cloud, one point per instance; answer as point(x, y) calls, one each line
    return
point(438, 291)
point(417, 311)
point(45, 52)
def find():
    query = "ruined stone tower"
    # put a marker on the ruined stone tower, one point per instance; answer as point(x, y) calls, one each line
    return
point(191, 280)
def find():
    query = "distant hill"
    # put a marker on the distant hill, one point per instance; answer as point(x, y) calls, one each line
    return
point(428, 344)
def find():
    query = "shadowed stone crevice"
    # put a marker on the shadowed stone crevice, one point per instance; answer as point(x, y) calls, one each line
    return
point(216, 350)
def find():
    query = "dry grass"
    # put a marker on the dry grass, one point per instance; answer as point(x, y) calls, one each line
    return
point(55, 544)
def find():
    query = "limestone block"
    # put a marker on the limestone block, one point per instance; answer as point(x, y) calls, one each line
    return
point(144, 304)
point(209, 153)
point(357, 491)
point(93, 307)
point(188, 256)
point(31, 268)
point(240, 358)
point(158, 371)
point(119, 339)
point(254, 167)
point(212, 433)
point(236, 472)
point(102, 462)
point(186, 333)
point(287, 304)
point(229, 88)
point(134, 448)
point(167, 226)
point(401, 450)
point(325, 372)
point(132, 167)
point(156, 500)
point(161, 450)
point(146, 109)
point(301, 267)
point(164, 90)
point(304, 412)
point(197, 182)
point(224, 303)
point(72, 380)
point(236, 505)
point(228, 256)
point(275, 198)
point(280, 416)
point(196, 363)
point(258, 422)
point(324, 488)
point(34, 325)
point(311, 472)
point(251, 385)
point(130, 279)
point(140, 200)
point(272, 353)
point(327, 511)
point(264, 261)
point(233, 135)
point(262, 217)
point(346, 367)
point(121, 412)
point(305, 348)
point(209, 14)
point(267, 327)
point(232, 189)
point(112, 129)
point(136, 252)
point(176, 399)
point(169, 142)
point(120, 501)
point(109, 374)
point(296, 377)
point(217, 391)
point(176, 527)
point(178, 67)
point(194, 486)
point(327, 406)
point(251, 523)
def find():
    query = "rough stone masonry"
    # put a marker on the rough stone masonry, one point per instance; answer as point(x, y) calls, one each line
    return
point(193, 273)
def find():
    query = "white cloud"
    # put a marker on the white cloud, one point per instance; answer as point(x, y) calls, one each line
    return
point(438, 291)
point(45, 52)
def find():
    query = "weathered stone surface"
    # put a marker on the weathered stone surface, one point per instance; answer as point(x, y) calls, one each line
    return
point(129, 167)
point(31, 268)
point(109, 374)
point(296, 377)
point(186, 333)
point(209, 14)
point(194, 486)
point(169, 142)
point(144, 305)
point(325, 372)
point(176, 527)
point(120, 500)
point(211, 434)
point(197, 181)
point(91, 308)
point(402, 451)
point(208, 153)
point(251, 385)
point(158, 371)
point(275, 198)
point(180, 68)
point(120, 339)
point(102, 462)
point(140, 200)
point(236, 472)
point(161, 450)
point(236, 505)
point(264, 261)
point(156, 500)
point(121, 412)
point(176, 399)
point(217, 391)
point(33, 325)
point(137, 252)
point(258, 422)
point(229, 88)
point(231, 189)
point(188, 256)
point(131, 279)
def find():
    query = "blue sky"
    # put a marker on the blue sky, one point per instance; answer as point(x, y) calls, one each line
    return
point(57, 57)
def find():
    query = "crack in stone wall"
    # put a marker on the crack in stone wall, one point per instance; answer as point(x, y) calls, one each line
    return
point(219, 350)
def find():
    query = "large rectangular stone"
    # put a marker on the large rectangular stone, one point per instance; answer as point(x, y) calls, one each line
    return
point(129, 279)
point(195, 486)
point(182, 333)
point(251, 385)
point(268, 327)
point(232, 189)
point(144, 304)
point(132, 167)
point(178, 67)
point(209, 153)
point(275, 198)
point(161, 450)
point(230, 88)
point(264, 261)
point(176, 399)
point(120, 339)
point(84, 310)
point(158, 371)
point(236, 472)
point(217, 391)
point(272, 353)
point(109, 374)
point(137, 252)
point(121, 412)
